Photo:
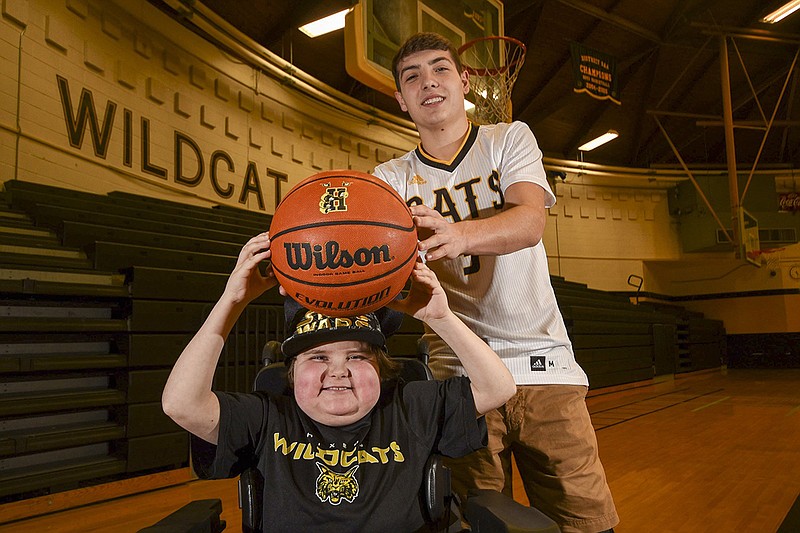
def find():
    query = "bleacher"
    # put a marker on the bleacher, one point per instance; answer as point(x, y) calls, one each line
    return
point(701, 341)
point(614, 340)
point(101, 293)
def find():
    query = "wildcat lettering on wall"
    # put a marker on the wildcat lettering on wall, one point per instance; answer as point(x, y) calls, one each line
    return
point(193, 165)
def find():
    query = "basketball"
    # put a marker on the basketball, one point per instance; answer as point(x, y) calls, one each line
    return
point(343, 243)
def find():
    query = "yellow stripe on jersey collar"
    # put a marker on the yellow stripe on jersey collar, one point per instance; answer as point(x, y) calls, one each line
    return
point(449, 166)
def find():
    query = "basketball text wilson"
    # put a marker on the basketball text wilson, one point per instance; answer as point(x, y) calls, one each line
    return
point(302, 256)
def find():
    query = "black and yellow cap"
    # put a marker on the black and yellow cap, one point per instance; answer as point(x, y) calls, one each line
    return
point(309, 328)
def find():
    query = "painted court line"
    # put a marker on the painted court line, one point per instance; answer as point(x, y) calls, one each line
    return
point(605, 414)
point(710, 404)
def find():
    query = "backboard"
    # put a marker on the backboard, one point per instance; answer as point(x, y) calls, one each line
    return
point(375, 29)
point(751, 244)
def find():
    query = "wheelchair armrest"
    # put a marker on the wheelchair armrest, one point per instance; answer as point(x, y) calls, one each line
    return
point(194, 517)
point(251, 492)
point(435, 488)
point(490, 511)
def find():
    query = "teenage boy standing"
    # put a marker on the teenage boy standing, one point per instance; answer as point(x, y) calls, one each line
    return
point(478, 195)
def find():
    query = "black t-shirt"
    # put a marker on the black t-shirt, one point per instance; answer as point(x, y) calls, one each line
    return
point(362, 477)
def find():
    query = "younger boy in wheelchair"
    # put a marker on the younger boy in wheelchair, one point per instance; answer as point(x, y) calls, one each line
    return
point(347, 450)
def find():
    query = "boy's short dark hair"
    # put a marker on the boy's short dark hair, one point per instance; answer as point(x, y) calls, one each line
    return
point(422, 42)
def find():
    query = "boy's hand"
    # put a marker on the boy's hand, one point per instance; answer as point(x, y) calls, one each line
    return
point(246, 282)
point(441, 238)
point(426, 300)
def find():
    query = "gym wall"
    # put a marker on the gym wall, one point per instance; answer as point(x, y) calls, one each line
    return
point(116, 95)
point(101, 96)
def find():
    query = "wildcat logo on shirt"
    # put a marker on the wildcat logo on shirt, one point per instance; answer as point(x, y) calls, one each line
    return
point(304, 451)
point(333, 487)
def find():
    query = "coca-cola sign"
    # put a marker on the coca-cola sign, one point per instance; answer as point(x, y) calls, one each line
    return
point(789, 201)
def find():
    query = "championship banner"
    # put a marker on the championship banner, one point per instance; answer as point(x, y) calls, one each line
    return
point(595, 73)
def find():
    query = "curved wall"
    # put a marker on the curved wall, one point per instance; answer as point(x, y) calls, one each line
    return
point(98, 98)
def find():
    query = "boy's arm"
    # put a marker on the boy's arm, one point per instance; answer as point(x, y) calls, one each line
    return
point(491, 382)
point(187, 396)
point(520, 225)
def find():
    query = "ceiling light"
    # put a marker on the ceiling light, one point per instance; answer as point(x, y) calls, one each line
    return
point(468, 106)
point(325, 25)
point(610, 135)
point(782, 12)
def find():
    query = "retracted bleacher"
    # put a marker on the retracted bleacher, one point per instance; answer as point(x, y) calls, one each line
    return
point(701, 341)
point(618, 342)
point(99, 294)
point(614, 341)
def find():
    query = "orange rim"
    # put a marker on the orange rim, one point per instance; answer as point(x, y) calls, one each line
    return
point(493, 71)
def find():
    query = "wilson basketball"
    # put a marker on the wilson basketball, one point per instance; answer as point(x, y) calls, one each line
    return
point(343, 243)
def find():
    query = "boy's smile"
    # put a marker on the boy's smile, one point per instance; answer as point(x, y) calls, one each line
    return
point(337, 383)
point(431, 88)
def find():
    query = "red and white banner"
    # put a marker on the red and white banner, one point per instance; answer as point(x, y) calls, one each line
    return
point(789, 201)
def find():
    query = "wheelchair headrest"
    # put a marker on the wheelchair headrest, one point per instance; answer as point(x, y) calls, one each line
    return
point(273, 379)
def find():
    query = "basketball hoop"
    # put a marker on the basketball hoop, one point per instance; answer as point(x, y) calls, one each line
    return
point(493, 64)
point(769, 257)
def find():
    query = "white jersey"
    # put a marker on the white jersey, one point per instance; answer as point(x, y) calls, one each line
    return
point(507, 299)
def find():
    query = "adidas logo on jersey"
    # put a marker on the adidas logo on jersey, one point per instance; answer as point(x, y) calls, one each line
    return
point(538, 363)
point(417, 180)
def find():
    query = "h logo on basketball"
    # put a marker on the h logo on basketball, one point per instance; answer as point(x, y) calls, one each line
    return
point(333, 200)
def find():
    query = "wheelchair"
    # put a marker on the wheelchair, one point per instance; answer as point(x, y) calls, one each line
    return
point(487, 511)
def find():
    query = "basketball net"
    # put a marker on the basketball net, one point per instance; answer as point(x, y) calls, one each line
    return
point(768, 257)
point(493, 64)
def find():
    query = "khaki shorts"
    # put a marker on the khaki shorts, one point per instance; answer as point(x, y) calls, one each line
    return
point(555, 449)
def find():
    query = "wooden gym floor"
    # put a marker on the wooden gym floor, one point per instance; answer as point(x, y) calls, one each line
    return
point(715, 451)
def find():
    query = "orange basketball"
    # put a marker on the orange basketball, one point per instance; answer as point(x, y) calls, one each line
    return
point(343, 243)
